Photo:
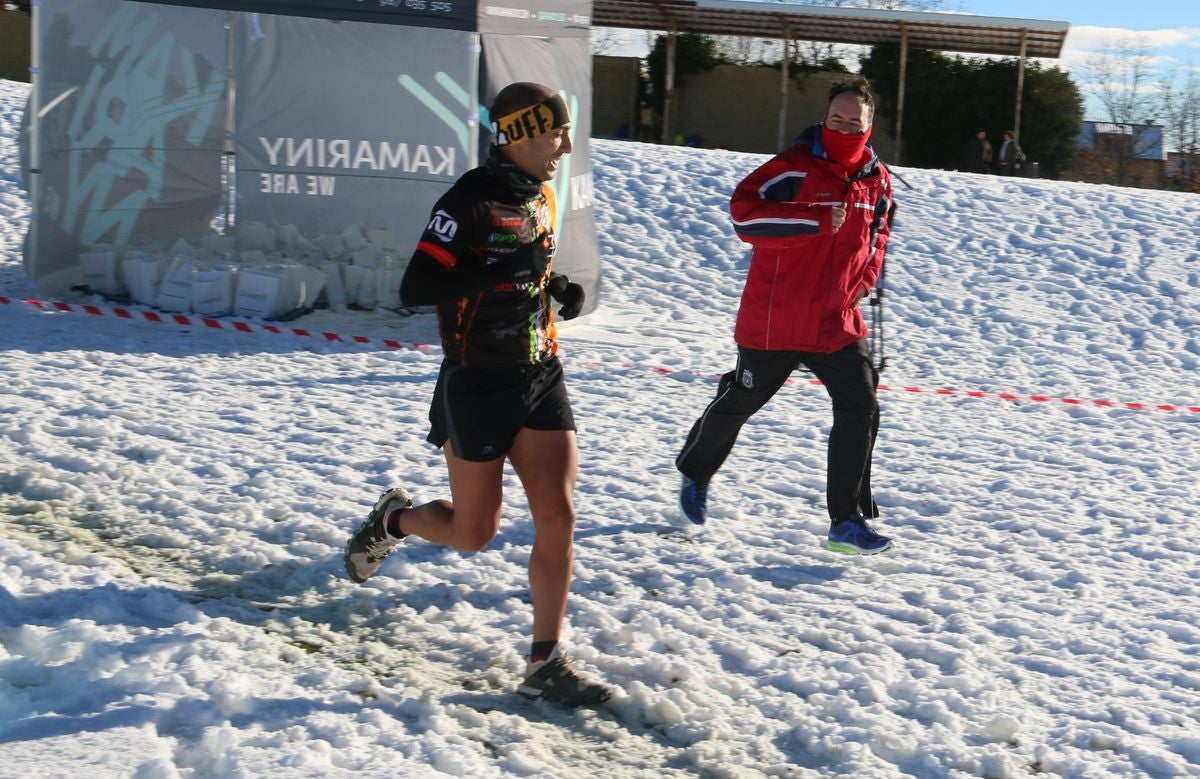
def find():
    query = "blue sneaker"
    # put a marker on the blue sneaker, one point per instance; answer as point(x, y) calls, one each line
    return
point(693, 499)
point(853, 535)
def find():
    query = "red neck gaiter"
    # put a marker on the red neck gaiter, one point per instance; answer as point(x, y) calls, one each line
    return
point(845, 150)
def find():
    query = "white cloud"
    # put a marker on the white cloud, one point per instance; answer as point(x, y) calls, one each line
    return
point(1092, 38)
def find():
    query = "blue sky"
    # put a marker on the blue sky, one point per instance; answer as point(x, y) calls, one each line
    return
point(1170, 35)
point(1127, 15)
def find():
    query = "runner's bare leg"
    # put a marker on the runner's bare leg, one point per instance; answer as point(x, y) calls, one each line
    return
point(546, 462)
point(471, 518)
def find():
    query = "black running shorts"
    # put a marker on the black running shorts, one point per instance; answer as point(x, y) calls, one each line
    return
point(480, 410)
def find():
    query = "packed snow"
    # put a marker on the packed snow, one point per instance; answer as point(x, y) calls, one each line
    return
point(174, 501)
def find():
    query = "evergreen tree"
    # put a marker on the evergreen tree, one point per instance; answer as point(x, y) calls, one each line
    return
point(948, 98)
point(694, 53)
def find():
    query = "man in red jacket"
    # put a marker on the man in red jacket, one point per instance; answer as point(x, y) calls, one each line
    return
point(817, 216)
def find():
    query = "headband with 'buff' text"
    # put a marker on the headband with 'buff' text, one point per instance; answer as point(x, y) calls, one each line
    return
point(530, 122)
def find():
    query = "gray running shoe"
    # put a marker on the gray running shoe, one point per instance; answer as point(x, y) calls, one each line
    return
point(555, 679)
point(371, 543)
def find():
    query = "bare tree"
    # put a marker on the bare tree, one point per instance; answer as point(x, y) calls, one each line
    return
point(739, 50)
point(1181, 115)
point(1123, 80)
point(604, 40)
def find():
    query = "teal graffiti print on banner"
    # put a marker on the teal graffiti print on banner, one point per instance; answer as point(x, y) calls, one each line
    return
point(452, 119)
point(131, 97)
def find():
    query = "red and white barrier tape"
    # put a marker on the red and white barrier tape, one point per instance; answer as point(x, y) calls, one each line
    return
point(247, 327)
point(215, 324)
point(999, 395)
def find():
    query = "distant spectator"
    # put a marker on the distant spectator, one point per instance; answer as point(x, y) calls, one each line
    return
point(978, 158)
point(1010, 156)
point(645, 128)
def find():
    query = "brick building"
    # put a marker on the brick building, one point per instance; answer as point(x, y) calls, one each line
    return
point(14, 45)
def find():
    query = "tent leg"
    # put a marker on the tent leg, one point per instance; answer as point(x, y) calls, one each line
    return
point(669, 86)
point(473, 129)
point(783, 90)
point(229, 157)
point(35, 133)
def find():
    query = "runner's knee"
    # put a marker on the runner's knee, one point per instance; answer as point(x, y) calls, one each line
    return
point(556, 527)
point(475, 538)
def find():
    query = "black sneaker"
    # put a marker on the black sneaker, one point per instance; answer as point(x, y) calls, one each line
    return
point(371, 543)
point(555, 679)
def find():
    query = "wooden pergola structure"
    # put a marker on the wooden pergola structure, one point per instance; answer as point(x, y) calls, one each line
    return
point(1021, 38)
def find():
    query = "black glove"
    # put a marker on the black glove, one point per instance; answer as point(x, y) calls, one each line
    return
point(526, 263)
point(569, 294)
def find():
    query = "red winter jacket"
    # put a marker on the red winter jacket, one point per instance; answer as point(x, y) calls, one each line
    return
point(802, 289)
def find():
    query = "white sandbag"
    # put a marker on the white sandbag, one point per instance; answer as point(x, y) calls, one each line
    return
point(102, 270)
point(387, 286)
point(352, 238)
point(253, 258)
point(287, 237)
point(143, 273)
point(255, 235)
point(294, 286)
point(335, 287)
point(259, 293)
point(184, 247)
point(175, 294)
point(360, 286)
point(367, 256)
point(218, 245)
point(383, 238)
point(313, 283)
point(270, 292)
point(213, 291)
point(325, 246)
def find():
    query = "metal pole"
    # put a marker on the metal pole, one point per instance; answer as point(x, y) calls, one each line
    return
point(35, 130)
point(900, 92)
point(229, 169)
point(1016, 128)
point(473, 128)
point(783, 90)
point(668, 87)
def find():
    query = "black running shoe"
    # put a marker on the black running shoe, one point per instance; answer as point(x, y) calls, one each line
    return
point(555, 679)
point(371, 543)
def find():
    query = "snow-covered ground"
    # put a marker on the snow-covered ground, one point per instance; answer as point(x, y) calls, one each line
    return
point(174, 502)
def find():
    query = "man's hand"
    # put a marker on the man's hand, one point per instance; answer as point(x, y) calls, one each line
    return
point(838, 216)
point(569, 294)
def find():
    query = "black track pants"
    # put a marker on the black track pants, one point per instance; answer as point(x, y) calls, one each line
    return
point(850, 380)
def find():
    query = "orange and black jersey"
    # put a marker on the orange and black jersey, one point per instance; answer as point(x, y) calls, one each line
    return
point(485, 320)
